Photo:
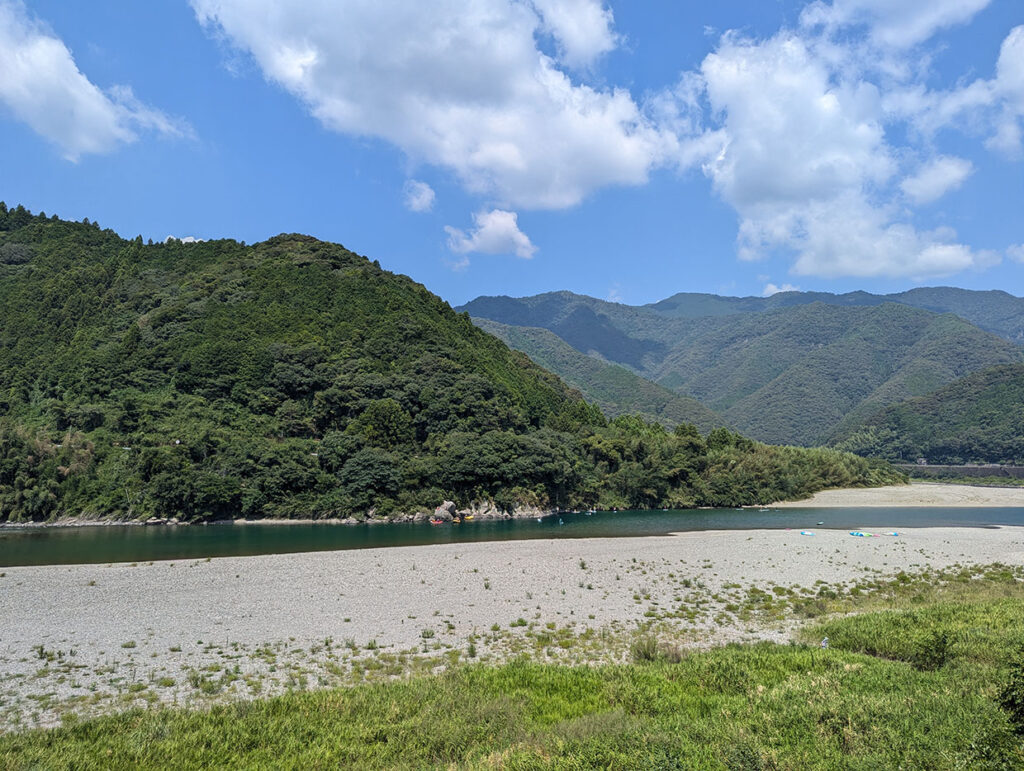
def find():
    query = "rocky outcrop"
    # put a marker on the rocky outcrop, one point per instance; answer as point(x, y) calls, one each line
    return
point(446, 511)
point(487, 510)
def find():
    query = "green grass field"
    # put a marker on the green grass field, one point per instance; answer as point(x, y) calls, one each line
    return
point(935, 682)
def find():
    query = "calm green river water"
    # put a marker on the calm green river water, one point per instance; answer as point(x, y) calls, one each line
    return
point(62, 546)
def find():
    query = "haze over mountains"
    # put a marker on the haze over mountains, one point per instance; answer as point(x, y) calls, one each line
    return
point(803, 368)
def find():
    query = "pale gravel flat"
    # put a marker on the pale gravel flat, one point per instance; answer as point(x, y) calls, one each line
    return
point(213, 610)
point(916, 494)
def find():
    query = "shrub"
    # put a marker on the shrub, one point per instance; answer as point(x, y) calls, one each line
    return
point(1011, 696)
point(933, 651)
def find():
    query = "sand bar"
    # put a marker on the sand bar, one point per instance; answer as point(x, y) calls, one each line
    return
point(101, 637)
point(916, 494)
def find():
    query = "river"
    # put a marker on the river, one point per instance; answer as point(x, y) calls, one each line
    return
point(126, 543)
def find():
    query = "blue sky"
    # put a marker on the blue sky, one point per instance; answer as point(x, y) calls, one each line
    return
point(623, 150)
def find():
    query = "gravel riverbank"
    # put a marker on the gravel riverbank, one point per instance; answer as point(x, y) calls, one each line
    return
point(90, 638)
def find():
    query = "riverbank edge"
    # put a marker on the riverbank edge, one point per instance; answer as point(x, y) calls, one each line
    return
point(478, 512)
point(939, 495)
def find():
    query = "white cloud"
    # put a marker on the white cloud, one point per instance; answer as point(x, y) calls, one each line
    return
point(42, 86)
point(495, 232)
point(849, 237)
point(583, 29)
point(419, 196)
point(792, 134)
point(796, 142)
point(770, 289)
point(896, 23)
point(1015, 252)
point(1008, 88)
point(460, 84)
point(936, 178)
point(185, 240)
point(989, 105)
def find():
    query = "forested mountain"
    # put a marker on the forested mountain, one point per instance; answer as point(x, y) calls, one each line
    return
point(295, 378)
point(791, 374)
point(615, 389)
point(976, 419)
point(994, 311)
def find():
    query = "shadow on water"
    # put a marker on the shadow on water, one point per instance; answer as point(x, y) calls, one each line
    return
point(62, 546)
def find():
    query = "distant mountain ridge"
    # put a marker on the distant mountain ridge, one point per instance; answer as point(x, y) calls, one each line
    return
point(992, 310)
point(789, 368)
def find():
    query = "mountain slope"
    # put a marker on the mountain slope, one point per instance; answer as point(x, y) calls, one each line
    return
point(994, 311)
point(976, 419)
point(615, 389)
point(294, 378)
point(791, 374)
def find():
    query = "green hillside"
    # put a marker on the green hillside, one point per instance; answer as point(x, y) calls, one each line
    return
point(994, 310)
point(616, 390)
point(977, 419)
point(799, 375)
point(294, 378)
point(792, 374)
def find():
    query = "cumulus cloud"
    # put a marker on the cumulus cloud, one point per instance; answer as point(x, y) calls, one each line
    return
point(583, 29)
point(852, 238)
point(41, 86)
point(460, 84)
point(1016, 252)
point(185, 240)
point(419, 196)
point(803, 159)
point(494, 232)
point(896, 23)
point(792, 132)
point(936, 178)
point(770, 289)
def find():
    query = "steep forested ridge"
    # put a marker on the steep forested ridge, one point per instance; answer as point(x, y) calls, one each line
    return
point(788, 371)
point(615, 389)
point(296, 378)
point(977, 419)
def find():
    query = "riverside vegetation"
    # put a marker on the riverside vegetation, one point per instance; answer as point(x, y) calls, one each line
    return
point(294, 378)
point(929, 674)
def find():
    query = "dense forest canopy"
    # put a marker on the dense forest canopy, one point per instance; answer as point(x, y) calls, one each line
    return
point(294, 378)
point(977, 419)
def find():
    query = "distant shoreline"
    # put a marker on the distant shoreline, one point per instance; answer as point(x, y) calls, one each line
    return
point(916, 494)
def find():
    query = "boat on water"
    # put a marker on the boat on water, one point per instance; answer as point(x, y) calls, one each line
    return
point(436, 521)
